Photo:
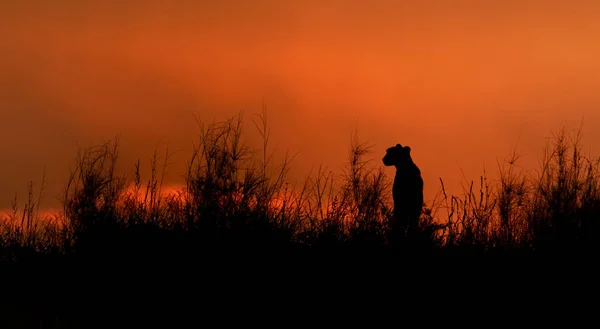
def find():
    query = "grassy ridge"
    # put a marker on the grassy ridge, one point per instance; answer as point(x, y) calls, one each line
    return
point(238, 216)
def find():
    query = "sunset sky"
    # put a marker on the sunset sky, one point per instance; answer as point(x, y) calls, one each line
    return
point(457, 81)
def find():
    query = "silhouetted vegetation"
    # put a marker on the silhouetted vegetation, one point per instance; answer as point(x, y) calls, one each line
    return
point(238, 206)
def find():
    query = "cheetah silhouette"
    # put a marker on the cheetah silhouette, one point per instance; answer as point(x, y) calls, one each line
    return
point(407, 191)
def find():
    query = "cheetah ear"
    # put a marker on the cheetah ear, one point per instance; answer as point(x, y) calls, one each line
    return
point(407, 149)
point(399, 146)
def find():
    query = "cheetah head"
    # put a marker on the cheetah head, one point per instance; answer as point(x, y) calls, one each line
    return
point(397, 155)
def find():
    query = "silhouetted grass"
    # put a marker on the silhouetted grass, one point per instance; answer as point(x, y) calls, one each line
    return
point(237, 197)
point(238, 206)
point(552, 209)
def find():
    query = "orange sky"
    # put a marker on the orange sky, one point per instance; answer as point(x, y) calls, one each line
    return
point(455, 80)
